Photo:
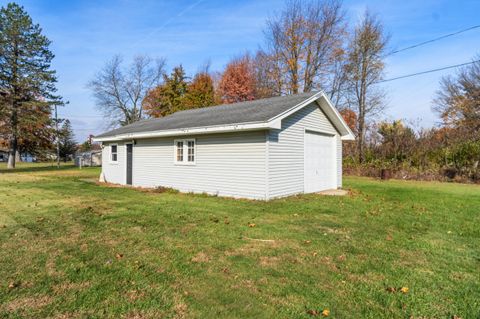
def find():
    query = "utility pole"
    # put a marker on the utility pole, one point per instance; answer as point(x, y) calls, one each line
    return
point(57, 137)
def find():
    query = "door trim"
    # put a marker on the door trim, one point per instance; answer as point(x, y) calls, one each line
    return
point(334, 155)
point(126, 163)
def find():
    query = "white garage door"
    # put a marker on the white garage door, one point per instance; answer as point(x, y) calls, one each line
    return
point(320, 168)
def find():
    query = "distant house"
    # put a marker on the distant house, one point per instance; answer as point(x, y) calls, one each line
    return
point(28, 158)
point(3, 155)
point(91, 158)
point(259, 149)
point(24, 157)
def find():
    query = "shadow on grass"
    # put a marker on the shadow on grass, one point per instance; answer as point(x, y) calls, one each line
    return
point(36, 168)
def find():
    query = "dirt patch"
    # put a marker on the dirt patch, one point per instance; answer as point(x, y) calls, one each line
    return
point(67, 286)
point(134, 295)
point(248, 284)
point(269, 261)
point(51, 267)
point(334, 192)
point(28, 303)
point(201, 257)
point(67, 315)
point(148, 314)
point(180, 307)
point(255, 247)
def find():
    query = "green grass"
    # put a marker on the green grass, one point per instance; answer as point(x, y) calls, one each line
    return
point(70, 248)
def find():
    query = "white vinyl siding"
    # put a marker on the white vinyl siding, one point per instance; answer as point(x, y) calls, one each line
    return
point(286, 150)
point(114, 172)
point(230, 164)
point(339, 161)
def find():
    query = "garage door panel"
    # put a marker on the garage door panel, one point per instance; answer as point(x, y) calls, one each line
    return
point(320, 164)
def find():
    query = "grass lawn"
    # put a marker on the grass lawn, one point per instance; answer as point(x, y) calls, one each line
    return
point(72, 249)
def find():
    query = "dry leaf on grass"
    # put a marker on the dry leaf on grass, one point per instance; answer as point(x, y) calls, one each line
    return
point(391, 289)
point(324, 312)
point(251, 225)
point(313, 312)
point(119, 256)
point(13, 284)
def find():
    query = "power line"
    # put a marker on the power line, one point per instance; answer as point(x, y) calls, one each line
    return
point(80, 116)
point(433, 40)
point(428, 71)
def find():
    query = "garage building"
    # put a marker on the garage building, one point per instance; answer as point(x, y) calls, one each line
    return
point(260, 149)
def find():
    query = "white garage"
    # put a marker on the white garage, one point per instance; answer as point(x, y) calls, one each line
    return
point(259, 149)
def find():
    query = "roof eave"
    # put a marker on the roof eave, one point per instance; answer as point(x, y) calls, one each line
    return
point(191, 131)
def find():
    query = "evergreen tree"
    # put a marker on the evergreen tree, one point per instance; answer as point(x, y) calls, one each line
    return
point(200, 92)
point(26, 80)
point(67, 143)
point(169, 97)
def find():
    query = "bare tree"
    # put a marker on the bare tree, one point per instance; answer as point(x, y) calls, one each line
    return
point(267, 75)
point(302, 43)
point(119, 92)
point(458, 100)
point(364, 69)
point(337, 85)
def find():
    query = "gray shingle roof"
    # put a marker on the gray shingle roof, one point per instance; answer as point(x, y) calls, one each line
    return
point(243, 112)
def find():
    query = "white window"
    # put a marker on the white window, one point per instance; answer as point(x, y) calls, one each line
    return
point(185, 152)
point(113, 153)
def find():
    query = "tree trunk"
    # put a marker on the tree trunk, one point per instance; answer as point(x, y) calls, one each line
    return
point(360, 148)
point(360, 139)
point(18, 158)
point(12, 152)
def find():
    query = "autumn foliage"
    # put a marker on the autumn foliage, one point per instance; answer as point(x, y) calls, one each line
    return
point(350, 118)
point(237, 83)
point(177, 93)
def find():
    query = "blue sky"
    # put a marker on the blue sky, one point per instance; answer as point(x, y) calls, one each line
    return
point(86, 34)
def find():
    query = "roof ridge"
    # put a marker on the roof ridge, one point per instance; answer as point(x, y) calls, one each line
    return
point(242, 103)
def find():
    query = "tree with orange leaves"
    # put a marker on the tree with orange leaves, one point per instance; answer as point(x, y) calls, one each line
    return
point(350, 118)
point(237, 82)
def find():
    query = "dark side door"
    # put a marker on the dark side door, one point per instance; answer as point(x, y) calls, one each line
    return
point(129, 163)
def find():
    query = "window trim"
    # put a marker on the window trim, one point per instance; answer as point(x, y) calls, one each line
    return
point(110, 153)
point(185, 151)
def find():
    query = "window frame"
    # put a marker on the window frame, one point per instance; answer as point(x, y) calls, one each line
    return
point(110, 151)
point(185, 142)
